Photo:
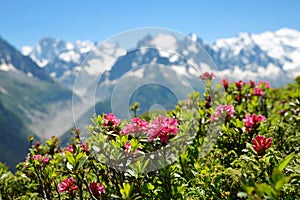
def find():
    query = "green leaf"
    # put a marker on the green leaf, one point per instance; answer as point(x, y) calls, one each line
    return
point(280, 183)
point(150, 186)
point(82, 161)
point(264, 188)
point(279, 179)
point(285, 162)
point(134, 143)
point(70, 158)
point(249, 189)
point(123, 140)
point(125, 191)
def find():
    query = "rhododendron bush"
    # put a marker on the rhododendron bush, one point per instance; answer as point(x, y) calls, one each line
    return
point(239, 144)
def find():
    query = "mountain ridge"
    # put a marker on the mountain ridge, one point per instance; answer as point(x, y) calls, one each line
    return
point(31, 103)
point(246, 51)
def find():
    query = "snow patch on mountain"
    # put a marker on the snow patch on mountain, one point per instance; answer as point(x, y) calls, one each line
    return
point(26, 50)
point(70, 56)
point(164, 41)
point(7, 67)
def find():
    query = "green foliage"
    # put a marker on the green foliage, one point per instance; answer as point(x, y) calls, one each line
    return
point(220, 161)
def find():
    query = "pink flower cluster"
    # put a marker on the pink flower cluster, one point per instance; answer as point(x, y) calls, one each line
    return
point(240, 84)
point(207, 76)
point(257, 91)
point(68, 185)
point(138, 126)
point(40, 158)
point(261, 144)
point(97, 189)
point(222, 111)
point(251, 121)
point(111, 120)
point(162, 128)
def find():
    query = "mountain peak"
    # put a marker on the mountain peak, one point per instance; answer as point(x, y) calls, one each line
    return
point(11, 60)
point(287, 32)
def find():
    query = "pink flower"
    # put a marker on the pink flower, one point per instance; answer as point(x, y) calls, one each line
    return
point(111, 120)
point(225, 83)
point(26, 163)
point(240, 84)
point(37, 157)
point(45, 159)
point(84, 146)
point(239, 97)
point(264, 84)
point(251, 121)
point(222, 111)
point(127, 147)
point(252, 84)
point(138, 126)
point(70, 149)
point(97, 189)
point(37, 145)
point(207, 76)
point(261, 144)
point(282, 112)
point(162, 128)
point(258, 92)
point(27, 158)
point(68, 184)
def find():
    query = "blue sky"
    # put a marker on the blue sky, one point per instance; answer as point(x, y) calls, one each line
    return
point(26, 22)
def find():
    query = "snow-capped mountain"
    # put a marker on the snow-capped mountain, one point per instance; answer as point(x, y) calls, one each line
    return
point(269, 55)
point(64, 59)
point(12, 60)
point(31, 103)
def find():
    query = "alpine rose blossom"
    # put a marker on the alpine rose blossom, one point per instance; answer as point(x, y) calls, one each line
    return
point(222, 111)
point(240, 84)
point(261, 144)
point(111, 120)
point(40, 158)
point(138, 126)
point(258, 92)
point(127, 147)
point(251, 121)
point(207, 76)
point(45, 159)
point(162, 128)
point(84, 147)
point(252, 84)
point(225, 82)
point(68, 185)
point(97, 189)
point(69, 148)
point(37, 157)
